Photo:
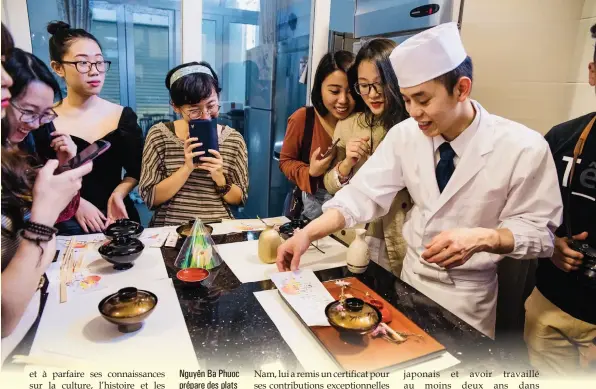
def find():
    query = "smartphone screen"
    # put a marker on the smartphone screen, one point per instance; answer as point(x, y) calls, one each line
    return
point(88, 154)
point(330, 150)
point(206, 132)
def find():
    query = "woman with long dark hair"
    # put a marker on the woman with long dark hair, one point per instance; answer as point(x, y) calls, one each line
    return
point(77, 58)
point(310, 131)
point(380, 107)
point(31, 203)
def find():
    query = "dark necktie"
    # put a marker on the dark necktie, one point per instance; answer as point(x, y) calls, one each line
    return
point(445, 167)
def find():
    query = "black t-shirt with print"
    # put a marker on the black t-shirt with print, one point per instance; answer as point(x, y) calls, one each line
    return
point(562, 288)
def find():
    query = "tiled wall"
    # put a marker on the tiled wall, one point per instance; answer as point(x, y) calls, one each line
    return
point(531, 58)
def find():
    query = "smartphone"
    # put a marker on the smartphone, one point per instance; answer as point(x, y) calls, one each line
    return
point(89, 154)
point(206, 132)
point(330, 150)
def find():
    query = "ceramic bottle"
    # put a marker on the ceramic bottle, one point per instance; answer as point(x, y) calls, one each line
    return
point(269, 241)
point(357, 256)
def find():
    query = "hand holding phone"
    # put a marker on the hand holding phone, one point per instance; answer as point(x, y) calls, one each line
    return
point(330, 149)
point(206, 132)
point(93, 151)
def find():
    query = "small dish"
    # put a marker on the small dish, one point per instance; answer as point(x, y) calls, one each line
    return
point(386, 314)
point(128, 308)
point(185, 229)
point(124, 228)
point(192, 275)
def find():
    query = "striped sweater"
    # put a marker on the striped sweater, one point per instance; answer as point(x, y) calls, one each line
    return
point(164, 155)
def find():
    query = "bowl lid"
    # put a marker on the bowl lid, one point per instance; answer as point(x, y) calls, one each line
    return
point(123, 227)
point(121, 246)
point(128, 302)
point(354, 315)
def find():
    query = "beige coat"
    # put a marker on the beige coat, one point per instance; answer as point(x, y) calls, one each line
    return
point(389, 227)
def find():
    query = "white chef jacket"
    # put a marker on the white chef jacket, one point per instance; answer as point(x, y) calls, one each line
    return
point(505, 178)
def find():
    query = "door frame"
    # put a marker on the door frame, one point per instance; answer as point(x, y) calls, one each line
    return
point(219, 40)
point(246, 19)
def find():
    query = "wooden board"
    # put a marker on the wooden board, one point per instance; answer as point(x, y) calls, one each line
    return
point(376, 353)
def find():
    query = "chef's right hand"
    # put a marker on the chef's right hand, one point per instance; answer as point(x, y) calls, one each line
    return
point(564, 257)
point(189, 146)
point(289, 253)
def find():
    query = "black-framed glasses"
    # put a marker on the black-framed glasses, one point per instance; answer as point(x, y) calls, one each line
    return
point(85, 66)
point(194, 113)
point(363, 89)
point(28, 116)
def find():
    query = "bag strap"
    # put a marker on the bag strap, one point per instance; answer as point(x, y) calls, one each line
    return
point(579, 147)
point(309, 124)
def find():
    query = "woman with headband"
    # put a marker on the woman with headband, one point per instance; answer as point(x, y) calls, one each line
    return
point(77, 58)
point(172, 184)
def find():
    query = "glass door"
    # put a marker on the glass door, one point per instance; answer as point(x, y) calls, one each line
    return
point(143, 44)
point(240, 36)
point(259, 49)
point(212, 41)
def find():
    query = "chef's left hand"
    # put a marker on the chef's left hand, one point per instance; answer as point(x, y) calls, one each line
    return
point(453, 248)
point(214, 166)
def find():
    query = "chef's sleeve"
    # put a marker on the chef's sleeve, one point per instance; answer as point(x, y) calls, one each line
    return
point(372, 189)
point(534, 208)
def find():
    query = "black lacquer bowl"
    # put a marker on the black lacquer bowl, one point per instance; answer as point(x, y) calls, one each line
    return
point(121, 251)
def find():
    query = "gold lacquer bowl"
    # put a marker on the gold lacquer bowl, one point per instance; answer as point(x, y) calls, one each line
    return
point(185, 230)
point(128, 308)
point(354, 316)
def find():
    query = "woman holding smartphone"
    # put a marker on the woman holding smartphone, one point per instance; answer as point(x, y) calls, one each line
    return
point(31, 203)
point(382, 107)
point(77, 58)
point(33, 93)
point(174, 185)
point(332, 102)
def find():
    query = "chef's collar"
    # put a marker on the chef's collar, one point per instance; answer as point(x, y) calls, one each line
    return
point(460, 143)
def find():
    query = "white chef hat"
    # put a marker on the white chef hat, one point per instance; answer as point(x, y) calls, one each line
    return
point(428, 55)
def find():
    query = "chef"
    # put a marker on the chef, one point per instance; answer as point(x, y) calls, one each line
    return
point(483, 186)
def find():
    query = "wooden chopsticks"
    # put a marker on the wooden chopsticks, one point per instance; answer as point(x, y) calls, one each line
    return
point(67, 269)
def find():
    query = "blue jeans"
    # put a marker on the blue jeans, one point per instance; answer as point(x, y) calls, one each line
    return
point(314, 202)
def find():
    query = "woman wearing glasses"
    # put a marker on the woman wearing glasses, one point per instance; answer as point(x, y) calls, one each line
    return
point(31, 202)
point(380, 106)
point(171, 183)
point(31, 106)
point(77, 58)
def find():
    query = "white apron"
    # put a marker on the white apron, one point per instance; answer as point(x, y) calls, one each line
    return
point(475, 302)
